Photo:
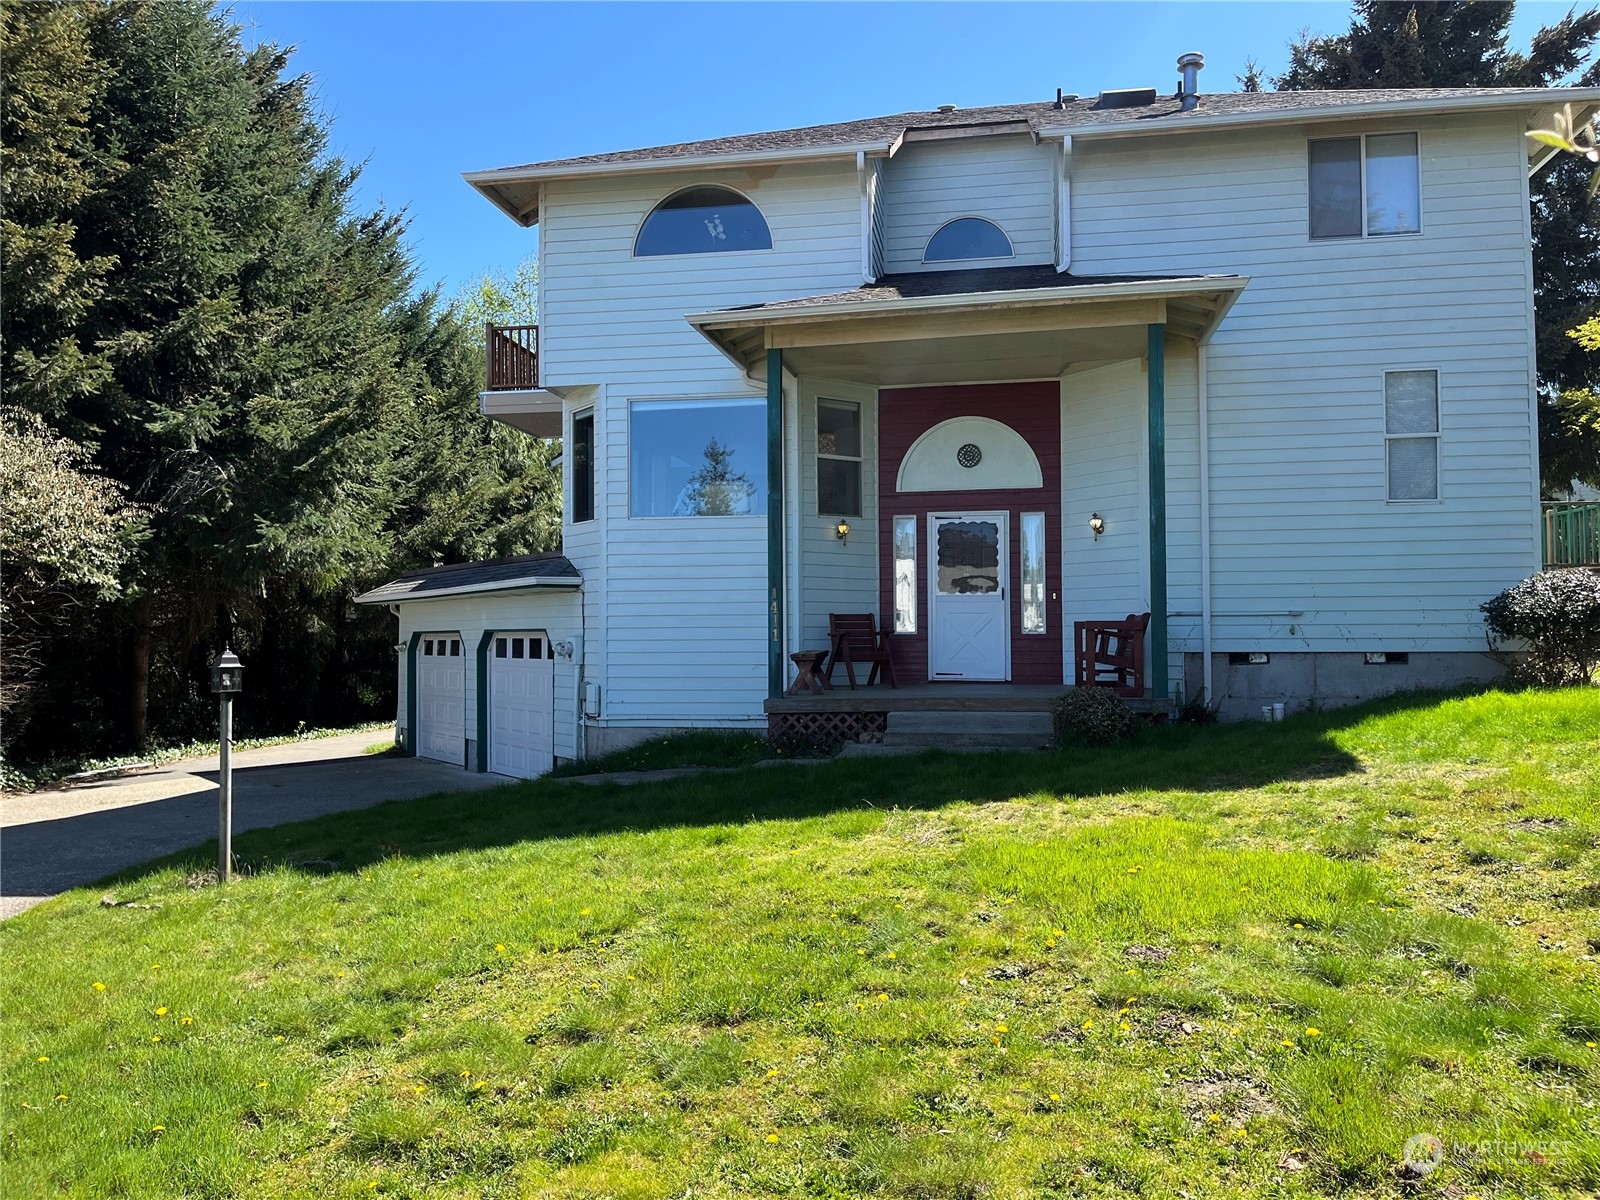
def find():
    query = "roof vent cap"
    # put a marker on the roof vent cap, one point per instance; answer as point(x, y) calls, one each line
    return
point(1189, 66)
point(1128, 98)
point(947, 108)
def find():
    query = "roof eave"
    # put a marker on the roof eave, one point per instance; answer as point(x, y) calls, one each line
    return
point(739, 319)
point(1200, 119)
point(537, 173)
point(503, 585)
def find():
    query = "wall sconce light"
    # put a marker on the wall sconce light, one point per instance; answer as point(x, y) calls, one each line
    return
point(1097, 525)
point(842, 530)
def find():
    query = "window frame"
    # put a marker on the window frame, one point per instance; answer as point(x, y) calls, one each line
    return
point(1361, 161)
point(1437, 435)
point(859, 459)
point(704, 400)
point(1010, 241)
point(638, 229)
point(572, 457)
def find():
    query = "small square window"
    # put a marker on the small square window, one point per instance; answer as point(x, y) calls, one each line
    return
point(500, 647)
point(516, 647)
point(427, 647)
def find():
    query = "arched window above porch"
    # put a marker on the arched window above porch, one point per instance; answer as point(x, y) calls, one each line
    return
point(969, 454)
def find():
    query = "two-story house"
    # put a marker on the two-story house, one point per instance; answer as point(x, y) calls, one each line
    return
point(1261, 365)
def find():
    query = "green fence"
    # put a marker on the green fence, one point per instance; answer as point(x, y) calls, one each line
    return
point(1571, 535)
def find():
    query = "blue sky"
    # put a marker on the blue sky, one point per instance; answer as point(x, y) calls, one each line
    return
point(423, 91)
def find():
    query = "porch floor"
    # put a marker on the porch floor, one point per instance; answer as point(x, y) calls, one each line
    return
point(940, 697)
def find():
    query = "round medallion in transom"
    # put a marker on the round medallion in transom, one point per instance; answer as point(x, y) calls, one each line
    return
point(969, 455)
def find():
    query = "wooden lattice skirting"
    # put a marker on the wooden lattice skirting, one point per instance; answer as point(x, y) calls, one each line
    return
point(824, 730)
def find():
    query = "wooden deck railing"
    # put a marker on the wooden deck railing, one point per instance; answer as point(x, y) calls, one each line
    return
point(1571, 534)
point(513, 357)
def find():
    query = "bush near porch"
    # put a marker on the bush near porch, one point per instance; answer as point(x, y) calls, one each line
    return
point(1242, 961)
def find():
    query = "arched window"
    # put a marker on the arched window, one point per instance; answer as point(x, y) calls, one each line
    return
point(967, 237)
point(702, 220)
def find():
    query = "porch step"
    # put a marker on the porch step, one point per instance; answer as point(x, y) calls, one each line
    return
point(989, 729)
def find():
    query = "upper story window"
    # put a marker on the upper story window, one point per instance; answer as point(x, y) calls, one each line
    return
point(1368, 186)
point(702, 220)
point(967, 237)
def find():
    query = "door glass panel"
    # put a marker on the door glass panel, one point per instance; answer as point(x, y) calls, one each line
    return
point(1032, 572)
point(968, 558)
point(905, 574)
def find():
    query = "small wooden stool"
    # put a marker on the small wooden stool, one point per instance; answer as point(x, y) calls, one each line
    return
point(809, 664)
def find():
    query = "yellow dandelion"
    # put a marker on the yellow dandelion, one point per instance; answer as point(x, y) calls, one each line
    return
point(1055, 1097)
point(162, 1011)
point(98, 986)
point(772, 1137)
point(1050, 943)
point(155, 966)
point(1125, 1027)
point(1089, 1024)
point(61, 1095)
point(1590, 1045)
point(262, 1084)
point(156, 1038)
point(584, 912)
point(420, 1088)
point(1002, 1028)
point(1313, 1031)
point(1058, 933)
point(480, 1084)
point(1214, 1117)
point(883, 996)
point(279, 1038)
point(499, 948)
point(995, 1038)
point(373, 1185)
point(1131, 971)
point(861, 952)
point(464, 1075)
point(158, 1129)
point(185, 1020)
point(1287, 1042)
point(771, 1073)
point(1011, 899)
point(46, 1057)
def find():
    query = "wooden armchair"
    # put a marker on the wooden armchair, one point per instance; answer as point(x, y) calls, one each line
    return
point(856, 638)
point(1110, 654)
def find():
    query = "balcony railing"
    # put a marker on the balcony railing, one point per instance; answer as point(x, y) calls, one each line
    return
point(1571, 535)
point(513, 357)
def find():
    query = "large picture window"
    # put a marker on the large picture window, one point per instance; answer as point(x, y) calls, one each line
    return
point(697, 458)
point(1364, 186)
point(582, 468)
point(1411, 434)
point(702, 220)
point(838, 458)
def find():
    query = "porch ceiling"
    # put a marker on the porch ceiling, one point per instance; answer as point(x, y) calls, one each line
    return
point(967, 326)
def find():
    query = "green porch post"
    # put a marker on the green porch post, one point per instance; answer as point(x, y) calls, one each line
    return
point(774, 523)
point(1158, 509)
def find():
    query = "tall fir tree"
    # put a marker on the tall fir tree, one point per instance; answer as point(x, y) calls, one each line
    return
point(1464, 43)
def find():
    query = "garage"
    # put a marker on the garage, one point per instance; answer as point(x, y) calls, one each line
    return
point(521, 705)
point(442, 699)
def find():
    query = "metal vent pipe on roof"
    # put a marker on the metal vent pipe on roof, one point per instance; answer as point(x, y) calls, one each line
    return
point(1189, 66)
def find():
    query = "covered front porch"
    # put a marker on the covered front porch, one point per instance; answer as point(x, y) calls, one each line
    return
point(993, 406)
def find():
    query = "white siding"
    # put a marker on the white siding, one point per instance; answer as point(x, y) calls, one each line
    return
point(1307, 552)
point(1009, 180)
point(677, 606)
point(836, 577)
point(1103, 471)
point(556, 611)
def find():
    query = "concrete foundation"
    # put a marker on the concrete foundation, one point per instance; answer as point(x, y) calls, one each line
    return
point(607, 739)
point(1301, 681)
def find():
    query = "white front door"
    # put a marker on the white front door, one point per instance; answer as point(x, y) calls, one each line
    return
point(969, 631)
point(522, 705)
point(442, 699)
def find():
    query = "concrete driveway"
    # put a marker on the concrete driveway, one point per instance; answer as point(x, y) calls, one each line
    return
point(66, 837)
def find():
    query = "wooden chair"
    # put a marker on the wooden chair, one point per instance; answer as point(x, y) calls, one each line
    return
point(856, 638)
point(1110, 654)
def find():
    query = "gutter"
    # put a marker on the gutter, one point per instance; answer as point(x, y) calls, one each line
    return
point(987, 301)
point(515, 585)
point(534, 174)
point(1200, 119)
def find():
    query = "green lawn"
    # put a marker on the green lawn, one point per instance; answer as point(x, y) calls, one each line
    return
point(1225, 961)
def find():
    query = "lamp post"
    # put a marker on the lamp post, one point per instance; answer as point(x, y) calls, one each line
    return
point(227, 678)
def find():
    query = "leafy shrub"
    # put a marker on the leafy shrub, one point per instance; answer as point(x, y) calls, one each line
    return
point(1091, 717)
point(1556, 614)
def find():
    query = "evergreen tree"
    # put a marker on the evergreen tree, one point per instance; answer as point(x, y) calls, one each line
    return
point(1463, 43)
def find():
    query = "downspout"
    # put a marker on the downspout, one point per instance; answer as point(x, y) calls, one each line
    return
point(774, 524)
point(1160, 681)
point(1205, 527)
point(792, 469)
point(411, 694)
point(482, 723)
point(1064, 208)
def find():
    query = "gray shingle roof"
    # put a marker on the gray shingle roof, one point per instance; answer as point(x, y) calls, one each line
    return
point(494, 575)
point(1086, 111)
point(917, 284)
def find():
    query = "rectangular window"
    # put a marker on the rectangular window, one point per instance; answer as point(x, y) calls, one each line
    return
point(698, 458)
point(1364, 186)
point(582, 469)
point(838, 458)
point(499, 647)
point(905, 574)
point(1411, 434)
point(1033, 606)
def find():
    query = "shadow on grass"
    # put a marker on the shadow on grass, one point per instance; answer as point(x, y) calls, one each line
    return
point(1194, 759)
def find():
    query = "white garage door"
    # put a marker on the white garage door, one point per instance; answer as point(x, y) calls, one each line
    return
point(442, 699)
point(522, 705)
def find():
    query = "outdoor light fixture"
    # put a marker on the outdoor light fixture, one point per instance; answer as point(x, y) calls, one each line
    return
point(1097, 525)
point(842, 530)
point(227, 678)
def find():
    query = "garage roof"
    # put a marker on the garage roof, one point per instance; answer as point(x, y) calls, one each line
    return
point(493, 575)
